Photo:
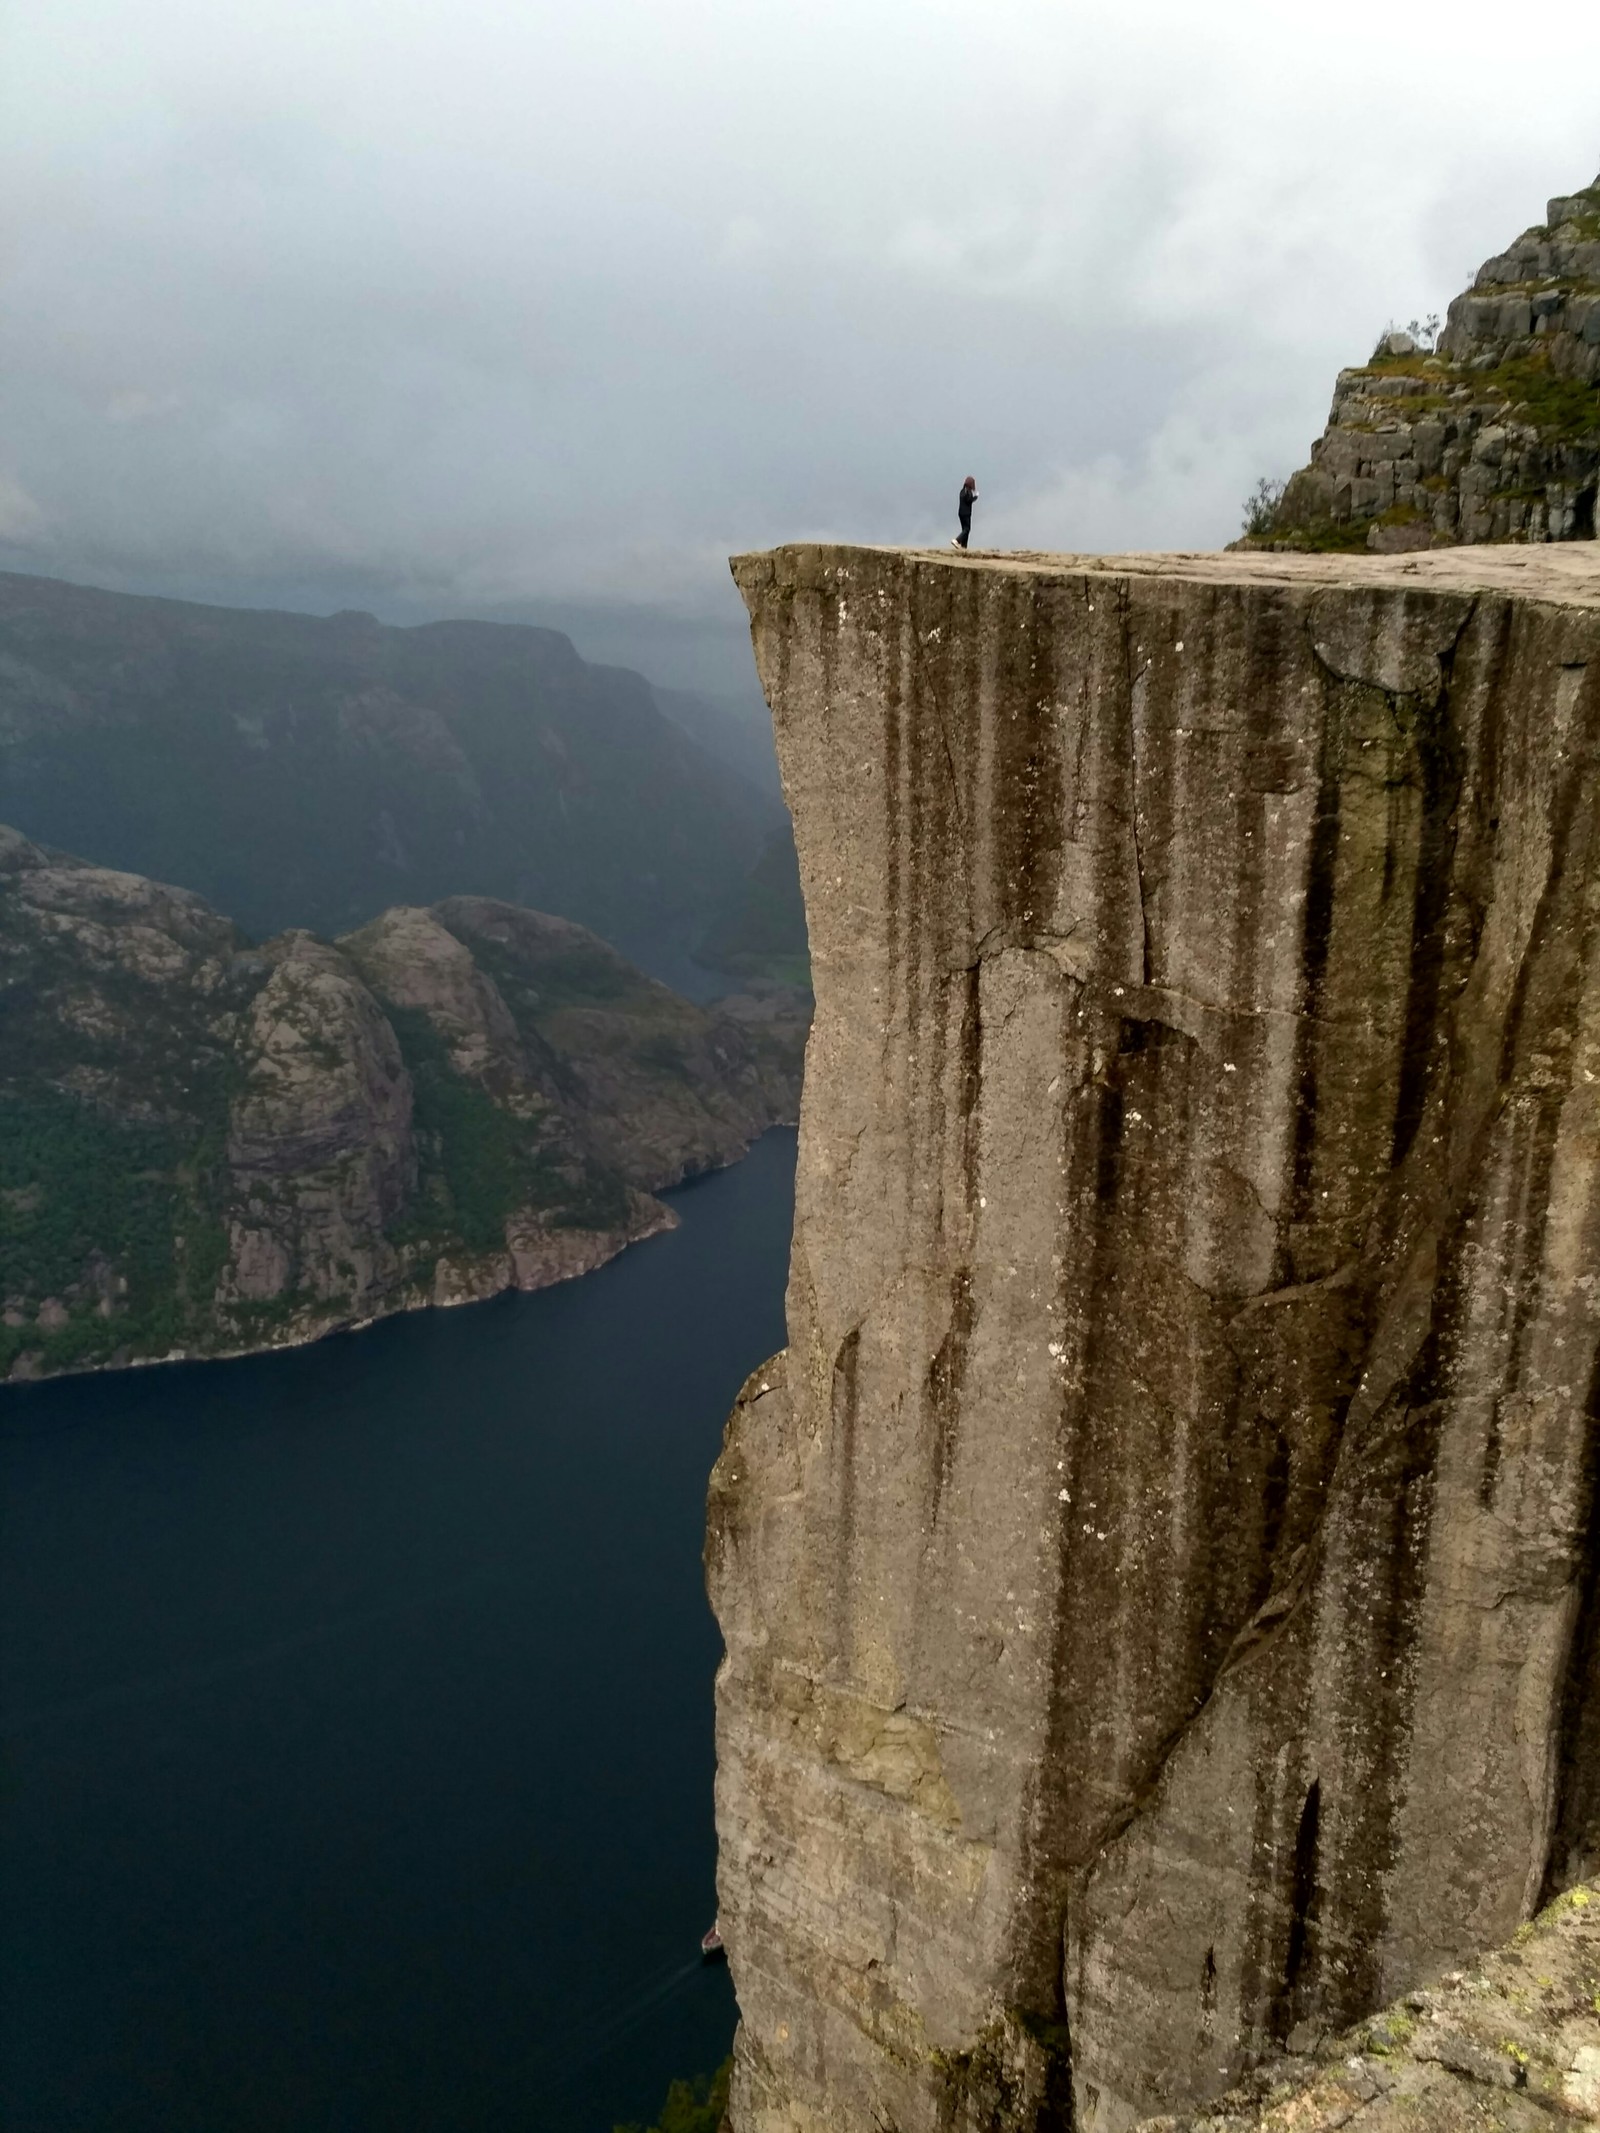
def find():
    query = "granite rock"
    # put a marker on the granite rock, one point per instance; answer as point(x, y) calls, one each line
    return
point(1493, 436)
point(1159, 1578)
point(1512, 2048)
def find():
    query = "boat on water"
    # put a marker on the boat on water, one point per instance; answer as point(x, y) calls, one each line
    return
point(711, 1942)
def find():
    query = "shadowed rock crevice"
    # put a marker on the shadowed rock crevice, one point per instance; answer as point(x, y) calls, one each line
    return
point(1182, 1465)
point(1575, 1838)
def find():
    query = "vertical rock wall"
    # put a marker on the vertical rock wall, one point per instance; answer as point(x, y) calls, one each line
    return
point(1159, 1578)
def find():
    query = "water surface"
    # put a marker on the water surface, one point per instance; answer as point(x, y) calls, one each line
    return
point(355, 1711)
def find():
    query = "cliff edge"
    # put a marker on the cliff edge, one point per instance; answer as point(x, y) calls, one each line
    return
point(1161, 1577)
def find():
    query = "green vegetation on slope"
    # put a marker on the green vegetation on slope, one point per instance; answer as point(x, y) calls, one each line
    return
point(692, 2106)
point(480, 1163)
point(584, 974)
point(110, 1220)
point(1558, 407)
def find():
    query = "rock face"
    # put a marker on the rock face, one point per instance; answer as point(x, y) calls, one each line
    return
point(1514, 2048)
point(1161, 1578)
point(320, 1155)
point(1495, 437)
point(207, 1147)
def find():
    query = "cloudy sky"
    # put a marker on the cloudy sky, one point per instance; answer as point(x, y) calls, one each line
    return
point(467, 305)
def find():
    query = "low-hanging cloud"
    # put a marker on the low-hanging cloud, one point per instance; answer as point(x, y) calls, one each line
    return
point(481, 303)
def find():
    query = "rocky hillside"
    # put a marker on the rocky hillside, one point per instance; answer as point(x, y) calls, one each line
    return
point(207, 1146)
point(301, 771)
point(1494, 436)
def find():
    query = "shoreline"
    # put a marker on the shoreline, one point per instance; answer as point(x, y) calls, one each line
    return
point(520, 1273)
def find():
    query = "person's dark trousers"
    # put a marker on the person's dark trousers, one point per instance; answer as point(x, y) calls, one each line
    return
point(966, 525)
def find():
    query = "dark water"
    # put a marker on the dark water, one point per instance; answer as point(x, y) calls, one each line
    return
point(356, 1711)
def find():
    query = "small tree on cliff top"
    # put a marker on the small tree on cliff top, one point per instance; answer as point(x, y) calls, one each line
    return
point(1261, 506)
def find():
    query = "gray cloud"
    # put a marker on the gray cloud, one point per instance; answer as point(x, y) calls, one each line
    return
point(482, 306)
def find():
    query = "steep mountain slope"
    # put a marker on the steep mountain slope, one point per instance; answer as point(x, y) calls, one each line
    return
point(301, 771)
point(761, 930)
point(737, 734)
point(207, 1147)
point(1494, 437)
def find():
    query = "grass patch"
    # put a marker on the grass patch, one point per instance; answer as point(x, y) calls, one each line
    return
point(1530, 389)
point(1338, 536)
point(1565, 407)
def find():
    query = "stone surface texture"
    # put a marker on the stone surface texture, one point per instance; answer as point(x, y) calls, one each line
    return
point(1493, 436)
point(1159, 1577)
point(1512, 2048)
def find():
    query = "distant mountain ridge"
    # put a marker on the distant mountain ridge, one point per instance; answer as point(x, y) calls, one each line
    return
point(722, 727)
point(310, 771)
point(208, 1147)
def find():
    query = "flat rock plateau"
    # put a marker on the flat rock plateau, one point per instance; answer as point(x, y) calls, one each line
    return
point(1161, 1576)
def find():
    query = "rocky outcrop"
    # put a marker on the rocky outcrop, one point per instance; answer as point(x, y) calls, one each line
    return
point(660, 1087)
point(1513, 2048)
point(207, 1146)
point(1494, 436)
point(321, 1158)
point(1160, 1578)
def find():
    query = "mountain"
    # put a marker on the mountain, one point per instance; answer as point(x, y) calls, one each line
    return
point(1492, 436)
point(736, 733)
point(304, 771)
point(760, 932)
point(207, 1146)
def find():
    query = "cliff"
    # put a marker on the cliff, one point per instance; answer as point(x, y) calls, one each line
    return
point(1161, 1578)
point(1493, 436)
point(207, 1146)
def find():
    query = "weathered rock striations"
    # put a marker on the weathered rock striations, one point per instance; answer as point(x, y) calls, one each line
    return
point(1493, 437)
point(1159, 1579)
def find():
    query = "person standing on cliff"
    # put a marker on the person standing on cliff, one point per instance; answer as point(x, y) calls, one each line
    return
point(964, 504)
